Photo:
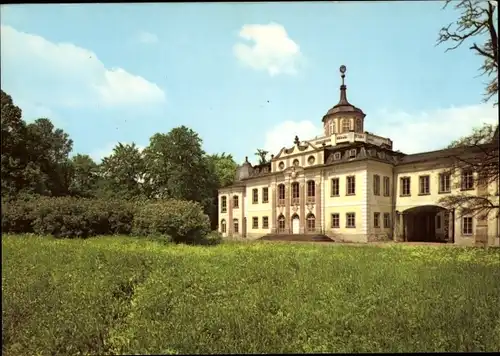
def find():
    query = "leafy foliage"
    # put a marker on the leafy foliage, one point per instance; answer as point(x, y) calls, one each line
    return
point(262, 154)
point(184, 221)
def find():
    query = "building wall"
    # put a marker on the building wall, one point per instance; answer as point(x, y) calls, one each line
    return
point(379, 203)
point(259, 209)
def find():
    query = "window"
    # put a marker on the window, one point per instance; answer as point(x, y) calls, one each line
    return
point(335, 221)
point(255, 222)
point(255, 196)
point(352, 153)
point(223, 226)
point(405, 186)
point(281, 223)
point(350, 220)
point(265, 222)
point(444, 183)
point(223, 205)
point(387, 220)
point(295, 193)
point(311, 160)
point(376, 184)
point(281, 165)
point(235, 226)
point(438, 221)
point(346, 125)
point(311, 191)
point(235, 201)
point(331, 128)
point(281, 195)
point(387, 187)
point(424, 185)
point(295, 162)
point(351, 185)
point(467, 180)
point(336, 156)
point(265, 195)
point(467, 225)
point(335, 187)
point(376, 219)
point(311, 223)
point(359, 125)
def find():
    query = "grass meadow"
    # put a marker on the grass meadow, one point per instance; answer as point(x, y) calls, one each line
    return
point(123, 295)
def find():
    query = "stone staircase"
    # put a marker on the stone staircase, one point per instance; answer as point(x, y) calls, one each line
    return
point(297, 237)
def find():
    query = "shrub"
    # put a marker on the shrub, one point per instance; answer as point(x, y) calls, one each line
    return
point(18, 216)
point(183, 220)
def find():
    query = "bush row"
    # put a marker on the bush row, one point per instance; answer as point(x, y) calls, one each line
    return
point(182, 221)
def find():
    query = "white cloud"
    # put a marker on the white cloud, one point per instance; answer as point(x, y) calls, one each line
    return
point(107, 150)
point(410, 133)
point(272, 50)
point(147, 37)
point(63, 74)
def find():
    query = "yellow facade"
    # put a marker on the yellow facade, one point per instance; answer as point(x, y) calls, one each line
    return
point(351, 185)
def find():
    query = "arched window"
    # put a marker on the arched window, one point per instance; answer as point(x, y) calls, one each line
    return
point(331, 126)
point(223, 204)
point(359, 125)
point(281, 223)
point(281, 194)
point(236, 226)
point(311, 191)
point(223, 226)
point(311, 223)
point(295, 193)
point(346, 125)
point(295, 162)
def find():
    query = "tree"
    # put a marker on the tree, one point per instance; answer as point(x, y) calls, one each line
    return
point(84, 176)
point(477, 153)
point(48, 150)
point(13, 131)
point(122, 172)
point(224, 168)
point(176, 166)
point(262, 154)
point(477, 22)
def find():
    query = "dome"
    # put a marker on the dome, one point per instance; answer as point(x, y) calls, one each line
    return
point(343, 106)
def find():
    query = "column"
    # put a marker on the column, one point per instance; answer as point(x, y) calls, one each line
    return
point(230, 226)
point(274, 199)
point(302, 211)
point(318, 207)
point(287, 207)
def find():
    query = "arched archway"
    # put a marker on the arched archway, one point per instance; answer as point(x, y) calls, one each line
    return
point(427, 223)
point(310, 222)
point(295, 224)
point(281, 223)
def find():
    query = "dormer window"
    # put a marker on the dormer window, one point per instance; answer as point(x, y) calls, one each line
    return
point(352, 153)
point(336, 156)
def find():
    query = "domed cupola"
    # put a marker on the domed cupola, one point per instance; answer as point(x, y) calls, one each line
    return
point(343, 117)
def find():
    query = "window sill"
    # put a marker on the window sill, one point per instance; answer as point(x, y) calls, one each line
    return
point(423, 194)
point(445, 192)
point(377, 195)
point(255, 202)
point(223, 211)
point(467, 235)
point(335, 196)
point(404, 195)
point(265, 202)
point(350, 194)
point(236, 207)
point(387, 195)
point(350, 227)
point(335, 227)
point(466, 189)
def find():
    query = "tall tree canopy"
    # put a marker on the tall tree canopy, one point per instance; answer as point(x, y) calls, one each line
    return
point(477, 24)
point(84, 176)
point(122, 172)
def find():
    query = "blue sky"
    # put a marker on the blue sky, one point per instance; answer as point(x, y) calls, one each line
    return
point(242, 75)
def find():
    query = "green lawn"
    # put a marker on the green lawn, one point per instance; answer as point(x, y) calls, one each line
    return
point(114, 295)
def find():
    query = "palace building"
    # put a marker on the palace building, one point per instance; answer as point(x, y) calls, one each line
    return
point(350, 185)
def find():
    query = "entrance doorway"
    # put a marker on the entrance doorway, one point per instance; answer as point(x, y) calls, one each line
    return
point(295, 224)
point(428, 223)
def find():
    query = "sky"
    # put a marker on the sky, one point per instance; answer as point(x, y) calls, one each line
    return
point(242, 75)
